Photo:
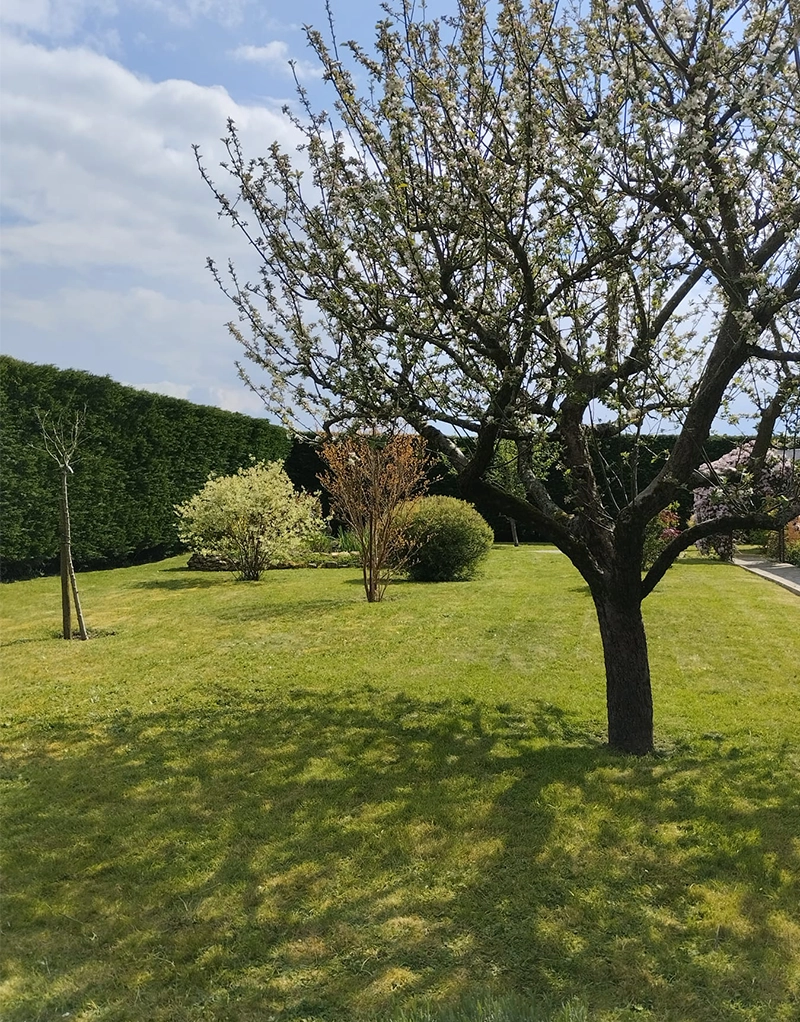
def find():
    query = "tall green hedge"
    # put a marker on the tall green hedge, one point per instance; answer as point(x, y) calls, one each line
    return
point(140, 454)
point(143, 453)
point(622, 463)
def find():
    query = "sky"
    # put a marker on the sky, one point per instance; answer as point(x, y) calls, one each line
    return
point(105, 224)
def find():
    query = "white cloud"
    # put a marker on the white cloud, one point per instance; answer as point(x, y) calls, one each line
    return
point(57, 19)
point(185, 12)
point(107, 222)
point(275, 51)
point(97, 162)
point(65, 19)
point(275, 55)
point(185, 339)
point(237, 399)
point(232, 399)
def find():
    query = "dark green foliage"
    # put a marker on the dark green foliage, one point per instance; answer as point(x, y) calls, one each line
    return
point(791, 546)
point(140, 454)
point(624, 464)
point(449, 538)
point(792, 554)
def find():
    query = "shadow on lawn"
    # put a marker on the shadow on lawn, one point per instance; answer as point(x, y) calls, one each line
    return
point(189, 580)
point(708, 561)
point(316, 856)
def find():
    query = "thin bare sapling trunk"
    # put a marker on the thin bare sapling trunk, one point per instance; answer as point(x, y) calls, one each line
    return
point(66, 555)
point(61, 443)
point(66, 605)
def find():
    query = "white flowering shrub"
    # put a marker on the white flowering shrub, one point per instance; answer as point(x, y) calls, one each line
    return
point(252, 518)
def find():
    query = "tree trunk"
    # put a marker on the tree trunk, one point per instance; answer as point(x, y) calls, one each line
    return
point(66, 606)
point(74, 583)
point(628, 694)
point(67, 566)
point(368, 566)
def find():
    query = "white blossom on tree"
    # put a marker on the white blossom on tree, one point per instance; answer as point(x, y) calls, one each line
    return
point(553, 224)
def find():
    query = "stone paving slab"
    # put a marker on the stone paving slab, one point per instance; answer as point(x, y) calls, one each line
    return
point(786, 575)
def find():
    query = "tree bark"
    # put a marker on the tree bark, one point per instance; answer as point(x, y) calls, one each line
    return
point(74, 583)
point(66, 606)
point(628, 694)
point(68, 579)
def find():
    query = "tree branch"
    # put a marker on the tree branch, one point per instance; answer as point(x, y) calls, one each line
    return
point(725, 523)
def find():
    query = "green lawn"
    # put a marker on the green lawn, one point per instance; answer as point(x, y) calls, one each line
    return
point(273, 801)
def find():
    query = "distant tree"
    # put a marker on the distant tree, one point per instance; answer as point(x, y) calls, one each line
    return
point(560, 223)
point(250, 519)
point(60, 440)
point(503, 473)
point(733, 488)
point(371, 480)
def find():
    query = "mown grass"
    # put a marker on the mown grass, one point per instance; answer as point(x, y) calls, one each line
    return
point(273, 801)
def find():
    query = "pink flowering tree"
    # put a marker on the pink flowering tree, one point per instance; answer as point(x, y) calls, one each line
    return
point(562, 222)
point(659, 533)
point(734, 489)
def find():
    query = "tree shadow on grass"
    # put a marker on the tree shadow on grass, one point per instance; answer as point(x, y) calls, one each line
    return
point(291, 609)
point(709, 562)
point(331, 856)
point(359, 581)
point(192, 580)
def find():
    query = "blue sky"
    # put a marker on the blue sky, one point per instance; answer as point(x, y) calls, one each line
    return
point(105, 223)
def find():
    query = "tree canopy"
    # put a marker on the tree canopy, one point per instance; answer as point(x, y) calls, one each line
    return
point(555, 223)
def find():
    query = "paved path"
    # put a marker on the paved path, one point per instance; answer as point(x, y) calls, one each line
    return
point(786, 575)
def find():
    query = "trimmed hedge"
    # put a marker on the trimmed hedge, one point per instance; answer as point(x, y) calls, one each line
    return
point(141, 453)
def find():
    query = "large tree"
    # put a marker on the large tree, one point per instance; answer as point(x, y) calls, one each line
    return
point(558, 223)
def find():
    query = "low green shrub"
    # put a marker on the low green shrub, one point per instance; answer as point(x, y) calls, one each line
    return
point(447, 539)
point(758, 537)
point(339, 542)
point(346, 542)
point(791, 551)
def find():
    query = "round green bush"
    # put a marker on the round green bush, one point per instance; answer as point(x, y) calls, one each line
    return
point(448, 539)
